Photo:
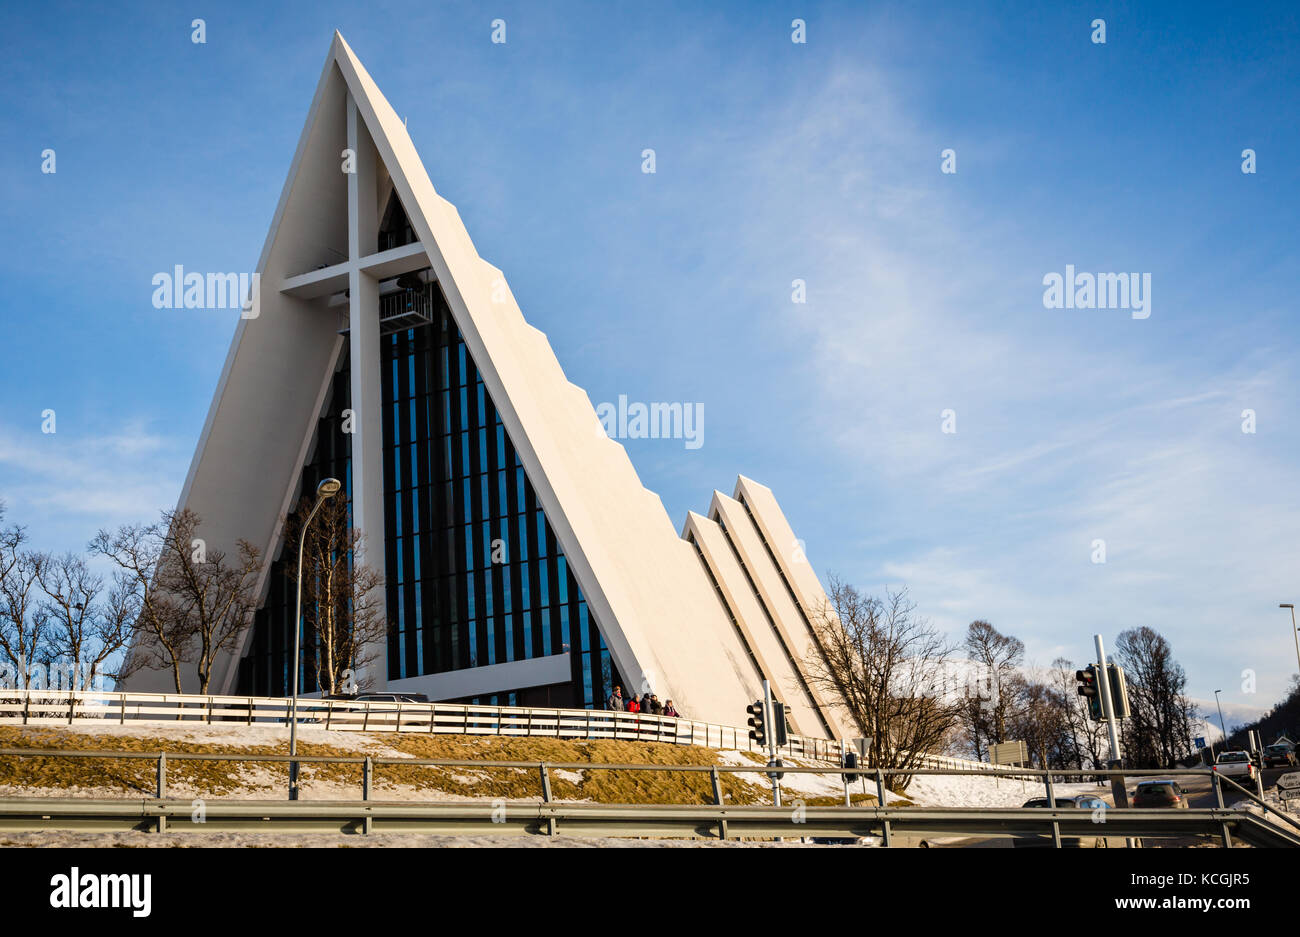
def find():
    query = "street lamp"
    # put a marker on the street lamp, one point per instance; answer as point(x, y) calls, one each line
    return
point(1221, 723)
point(327, 489)
point(1294, 634)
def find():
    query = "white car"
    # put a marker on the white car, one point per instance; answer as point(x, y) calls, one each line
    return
point(1235, 765)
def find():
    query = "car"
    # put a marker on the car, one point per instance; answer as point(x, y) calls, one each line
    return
point(869, 840)
point(1280, 755)
point(1235, 765)
point(1161, 792)
point(379, 715)
point(1081, 802)
point(383, 698)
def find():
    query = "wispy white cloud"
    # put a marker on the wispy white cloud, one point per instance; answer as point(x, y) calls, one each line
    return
point(65, 486)
point(1069, 431)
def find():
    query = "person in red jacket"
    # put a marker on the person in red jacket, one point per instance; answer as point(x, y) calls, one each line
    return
point(632, 705)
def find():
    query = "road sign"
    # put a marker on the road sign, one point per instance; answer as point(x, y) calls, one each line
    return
point(1290, 793)
point(1289, 781)
point(1009, 753)
point(1200, 742)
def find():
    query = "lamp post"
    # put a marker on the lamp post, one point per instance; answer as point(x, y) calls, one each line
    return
point(1294, 633)
point(327, 489)
point(1221, 723)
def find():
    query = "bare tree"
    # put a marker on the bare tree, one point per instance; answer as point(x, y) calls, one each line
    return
point(88, 624)
point(342, 599)
point(884, 664)
point(1041, 721)
point(1089, 738)
point(1158, 732)
point(24, 625)
point(193, 601)
point(999, 685)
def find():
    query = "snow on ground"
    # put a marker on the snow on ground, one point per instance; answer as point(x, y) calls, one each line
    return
point(959, 790)
point(235, 735)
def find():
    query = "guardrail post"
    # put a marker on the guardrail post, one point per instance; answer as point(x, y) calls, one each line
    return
point(123, 719)
point(1218, 796)
point(546, 796)
point(162, 789)
point(1051, 805)
point(209, 710)
point(27, 705)
point(880, 803)
point(367, 772)
point(717, 799)
point(250, 710)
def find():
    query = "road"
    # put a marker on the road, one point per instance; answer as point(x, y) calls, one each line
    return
point(1200, 790)
point(1200, 793)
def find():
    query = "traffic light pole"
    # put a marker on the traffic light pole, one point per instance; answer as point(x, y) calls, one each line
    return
point(771, 740)
point(1107, 705)
point(1117, 785)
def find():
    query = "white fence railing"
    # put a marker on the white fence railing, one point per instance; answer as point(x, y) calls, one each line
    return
point(87, 707)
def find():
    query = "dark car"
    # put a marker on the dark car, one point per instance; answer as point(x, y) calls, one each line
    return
point(1081, 802)
point(1279, 756)
point(1160, 793)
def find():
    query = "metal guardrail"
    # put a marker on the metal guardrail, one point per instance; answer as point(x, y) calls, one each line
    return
point(547, 815)
point(586, 819)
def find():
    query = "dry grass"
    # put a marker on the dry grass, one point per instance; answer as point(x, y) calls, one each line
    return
point(217, 778)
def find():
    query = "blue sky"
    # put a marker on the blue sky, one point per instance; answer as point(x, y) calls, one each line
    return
point(775, 161)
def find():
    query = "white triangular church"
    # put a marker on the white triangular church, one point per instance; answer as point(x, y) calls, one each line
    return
point(524, 561)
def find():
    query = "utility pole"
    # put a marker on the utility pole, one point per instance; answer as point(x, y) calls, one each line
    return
point(1221, 722)
point(1294, 633)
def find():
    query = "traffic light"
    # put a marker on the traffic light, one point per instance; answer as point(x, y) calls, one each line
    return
point(849, 760)
point(757, 724)
point(779, 728)
point(1089, 690)
point(1118, 691)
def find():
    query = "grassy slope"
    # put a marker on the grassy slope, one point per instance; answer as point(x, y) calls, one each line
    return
point(216, 779)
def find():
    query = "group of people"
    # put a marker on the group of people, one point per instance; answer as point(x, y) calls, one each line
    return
point(648, 703)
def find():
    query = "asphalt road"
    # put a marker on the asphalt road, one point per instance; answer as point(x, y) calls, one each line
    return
point(1200, 791)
